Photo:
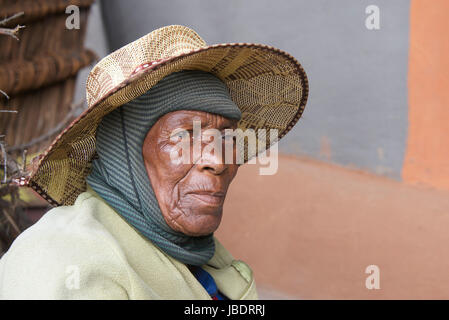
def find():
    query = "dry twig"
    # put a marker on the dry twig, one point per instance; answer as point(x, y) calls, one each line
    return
point(75, 109)
point(12, 32)
point(13, 219)
point(4, 93)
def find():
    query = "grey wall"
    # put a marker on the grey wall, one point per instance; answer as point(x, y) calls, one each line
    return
point(357, 110)
point(95, 40)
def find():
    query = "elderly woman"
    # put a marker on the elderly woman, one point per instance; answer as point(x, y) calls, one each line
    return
point(131, 223)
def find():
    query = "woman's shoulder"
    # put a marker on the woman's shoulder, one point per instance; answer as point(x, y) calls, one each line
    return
point(69, 243)
point(64, 225)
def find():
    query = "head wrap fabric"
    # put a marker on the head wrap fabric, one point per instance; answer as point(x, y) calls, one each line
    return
point(118, 174)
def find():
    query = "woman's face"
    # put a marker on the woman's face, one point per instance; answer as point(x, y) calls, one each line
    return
point(190, 193)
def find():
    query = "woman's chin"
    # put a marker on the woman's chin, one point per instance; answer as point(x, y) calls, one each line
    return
point(201, 225)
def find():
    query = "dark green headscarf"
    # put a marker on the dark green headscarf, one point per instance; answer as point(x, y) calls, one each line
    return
point(119, 175)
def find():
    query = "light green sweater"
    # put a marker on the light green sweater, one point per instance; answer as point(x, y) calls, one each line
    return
point(87, 251)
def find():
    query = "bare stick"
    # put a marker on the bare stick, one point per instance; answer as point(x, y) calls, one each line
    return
point(49, 133)
point(11, 221)
point(6, 20)
point(24, 160)
point(11, 32)
point(8, 31)
point(4, 93)
point(5, 160)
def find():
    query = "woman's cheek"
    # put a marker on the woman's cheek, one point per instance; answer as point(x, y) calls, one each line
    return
point(173, 161)
point(175, 153)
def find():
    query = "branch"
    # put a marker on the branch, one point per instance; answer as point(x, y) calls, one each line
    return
point(49, 133)
point(8, 31)
point(4, 93)
point(6, 20)
point(11, 221)
point(11, 32)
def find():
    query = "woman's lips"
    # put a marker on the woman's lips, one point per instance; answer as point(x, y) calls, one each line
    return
point(210, 198)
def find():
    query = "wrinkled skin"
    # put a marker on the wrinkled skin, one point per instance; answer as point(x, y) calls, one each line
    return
point(190, 195)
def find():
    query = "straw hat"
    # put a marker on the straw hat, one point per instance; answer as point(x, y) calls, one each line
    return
point(268, 85)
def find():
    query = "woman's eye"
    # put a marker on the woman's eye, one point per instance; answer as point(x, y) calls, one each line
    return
point(180, 135)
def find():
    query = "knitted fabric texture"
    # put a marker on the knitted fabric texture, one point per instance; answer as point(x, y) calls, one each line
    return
point(118, 174)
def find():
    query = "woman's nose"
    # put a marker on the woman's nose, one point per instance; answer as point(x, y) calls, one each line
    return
point(211, 162)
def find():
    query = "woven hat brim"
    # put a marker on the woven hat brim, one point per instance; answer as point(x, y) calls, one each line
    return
point(268, 85)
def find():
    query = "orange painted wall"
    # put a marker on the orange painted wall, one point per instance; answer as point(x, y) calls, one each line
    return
point(427, 156)
point(310, 231)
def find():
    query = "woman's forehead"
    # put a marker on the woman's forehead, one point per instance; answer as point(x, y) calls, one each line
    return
point(182, 118)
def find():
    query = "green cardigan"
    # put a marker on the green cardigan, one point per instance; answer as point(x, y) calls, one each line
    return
point(87, 251)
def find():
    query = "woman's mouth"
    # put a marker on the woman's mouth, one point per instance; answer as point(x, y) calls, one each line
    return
point(210, 198)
